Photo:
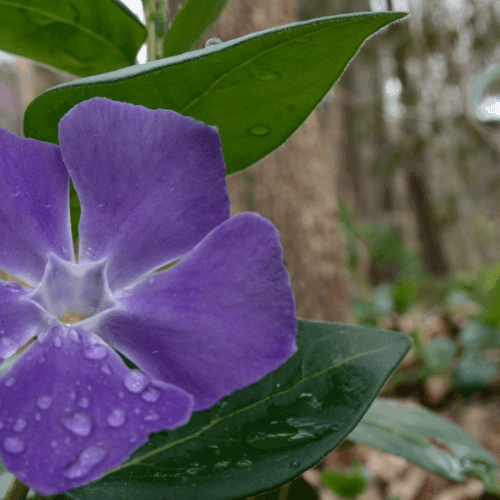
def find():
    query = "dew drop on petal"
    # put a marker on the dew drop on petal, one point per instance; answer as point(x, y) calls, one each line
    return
point(53, 443)
point(78, 423)
point(105, 368)
point(43, 337)
point(137, 411)
point(44, 402)
point(132, 439)
point(20, 425)
point(2, 425)
point(95, 352)
point(41, 360)
point(151, 395)
point(135, 381)
point(85, 462)
point(121, 394)
point(151, 416)
point(83, 403)
point(116, 418)
point(13, 445)
point(58, 342)
point(38, 417)
point(10, 382)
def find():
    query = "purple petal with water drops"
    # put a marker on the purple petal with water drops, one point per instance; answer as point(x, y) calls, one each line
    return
point(34, 206)
point(219, 320)
point(71, 410)
point(19, 318)
point(151, 184)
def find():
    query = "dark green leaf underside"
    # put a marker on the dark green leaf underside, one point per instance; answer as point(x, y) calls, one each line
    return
point(192, 20)
point(426, 440)
point(257, 89)
point(268, 433)
point(82, 37)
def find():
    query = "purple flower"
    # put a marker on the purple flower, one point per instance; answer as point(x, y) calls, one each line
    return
point(152, 190)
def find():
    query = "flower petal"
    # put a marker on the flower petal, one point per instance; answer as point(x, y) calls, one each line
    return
point(219, 320)
point(151, 184)
point(34, 206)
point(19, 318)
point(71, 410)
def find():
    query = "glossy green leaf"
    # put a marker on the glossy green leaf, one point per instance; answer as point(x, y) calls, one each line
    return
point(256, 89)
point(188, 26)
point(82, 37)
point(426, 440)
point(268, 433)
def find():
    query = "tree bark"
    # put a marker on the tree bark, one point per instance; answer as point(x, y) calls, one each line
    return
point(294, 186)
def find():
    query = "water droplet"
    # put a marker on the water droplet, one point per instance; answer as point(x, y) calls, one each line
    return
point(78, 423)
point(265, 75)
point(20, 425)
point(10, 382)
point(41, 360)
point(294, 463)
point(105, 368)
point(116, 418)
point(212, 41)
point(2, 425)
point(44, 402)
point(132, 439)
point(269, 434)
point(121, 394)
point(43, 337)
point(259, 130)
point(137, 411)
point(151, 395)
point(97, 351)
point(13, 445)
point(83, 403)
point(73, 335)
point(244, 462)
point(304, 39)
point(53, 443)
point(151, 416)
point(58, 342)
point(135, 381)
point(38, 417)
point(222, 465)
point(85, 462)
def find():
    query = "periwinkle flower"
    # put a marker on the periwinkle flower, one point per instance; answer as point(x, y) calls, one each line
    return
point(152, 191)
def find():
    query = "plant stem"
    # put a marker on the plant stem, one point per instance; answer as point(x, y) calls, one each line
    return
point(156, 14)
point(17, 490)
point(284, 489)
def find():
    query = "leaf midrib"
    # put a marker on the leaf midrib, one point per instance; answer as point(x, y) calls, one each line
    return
point(241, 410)
point(66, 21)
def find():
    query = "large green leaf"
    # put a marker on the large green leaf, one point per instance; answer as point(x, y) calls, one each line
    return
point(192, 20)
point(426, 440)
point(83, 37)
point(268, 433)
point(257, 89)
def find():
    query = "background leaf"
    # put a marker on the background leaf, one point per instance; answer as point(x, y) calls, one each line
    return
point(82, 37)
point(256, 89)
point(268, 433)
point(426, 440)
point(188, 26)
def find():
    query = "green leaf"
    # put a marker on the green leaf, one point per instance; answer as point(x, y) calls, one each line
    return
point(488, 285)
point(82, 37)
point(473, 372)
point(188, 26)
point(438, 354)
point(383, 300)
point(270, 432)
point(426, 440)
point(348, 484)
point(256, 89)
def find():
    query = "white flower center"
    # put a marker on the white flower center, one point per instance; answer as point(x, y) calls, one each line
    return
point(72, 292)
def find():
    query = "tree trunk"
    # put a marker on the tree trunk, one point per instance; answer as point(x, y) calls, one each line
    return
point(294, 186)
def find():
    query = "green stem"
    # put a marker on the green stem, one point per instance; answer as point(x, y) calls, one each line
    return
point(156, 16)
point(16, 491)
point(284, 490)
